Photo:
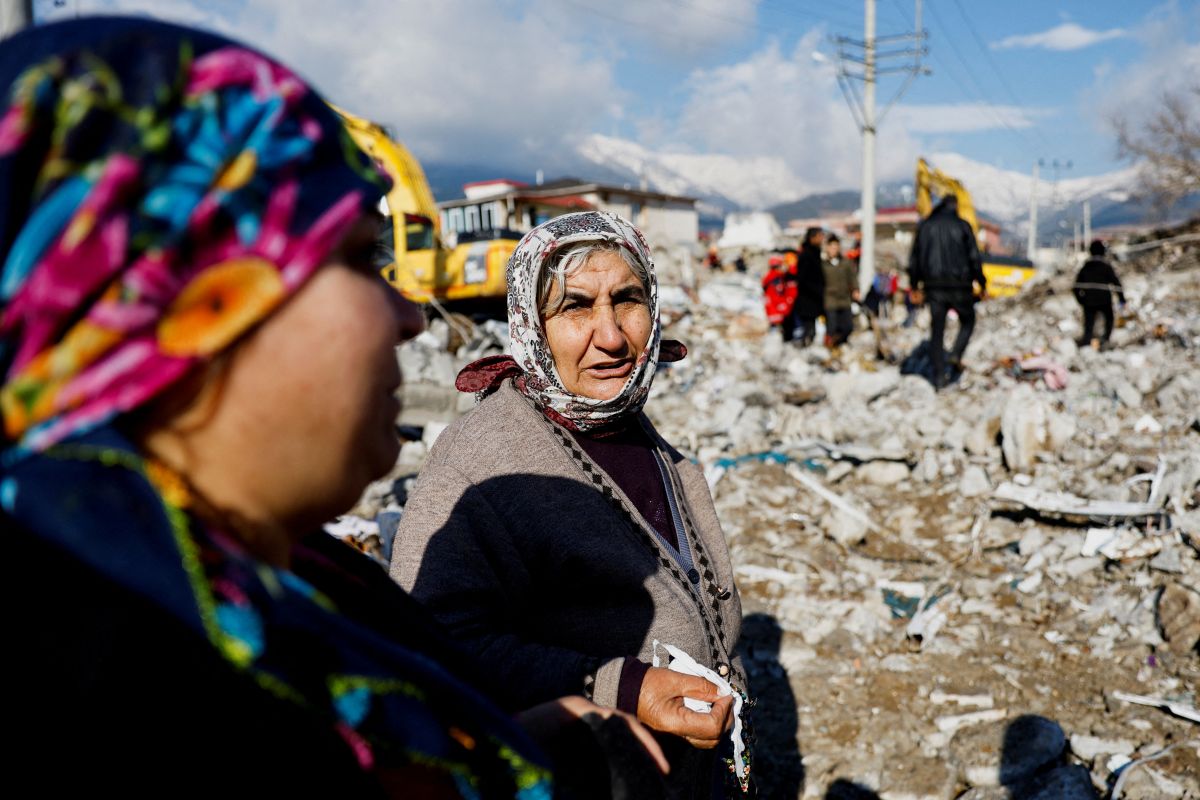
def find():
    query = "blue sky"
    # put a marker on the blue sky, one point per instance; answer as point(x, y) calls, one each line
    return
point(521, 83)
point(1055, 79)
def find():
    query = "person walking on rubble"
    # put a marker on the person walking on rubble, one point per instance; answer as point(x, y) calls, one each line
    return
point(1094, 287)
point(942, 267)
point(840, 275)
point(809, 278)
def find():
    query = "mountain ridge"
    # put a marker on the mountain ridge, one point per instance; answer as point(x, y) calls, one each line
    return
point(724, 184)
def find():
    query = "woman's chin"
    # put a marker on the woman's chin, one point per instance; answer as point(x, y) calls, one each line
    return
point(602, 390)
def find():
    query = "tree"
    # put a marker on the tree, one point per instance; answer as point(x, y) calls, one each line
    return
point(1167, 146)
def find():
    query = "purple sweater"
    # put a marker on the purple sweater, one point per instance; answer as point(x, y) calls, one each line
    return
point(627, 455)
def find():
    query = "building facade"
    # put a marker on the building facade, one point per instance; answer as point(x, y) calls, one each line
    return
point(666, 220)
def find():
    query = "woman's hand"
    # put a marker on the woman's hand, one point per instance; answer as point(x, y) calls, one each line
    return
point(660, 706)
point(547, 721)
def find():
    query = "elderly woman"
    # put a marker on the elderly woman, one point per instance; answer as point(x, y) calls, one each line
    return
point(555, 532)
point(197, 369)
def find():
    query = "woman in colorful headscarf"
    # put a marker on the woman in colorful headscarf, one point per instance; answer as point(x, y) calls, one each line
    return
point(197, 369)
point(556, 533)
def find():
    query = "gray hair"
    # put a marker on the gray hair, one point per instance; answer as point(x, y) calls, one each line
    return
point(552, 278)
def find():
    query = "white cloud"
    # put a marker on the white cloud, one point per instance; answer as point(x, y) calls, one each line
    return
point(784, 105)
point(1067, 36)
point(459, 81)
point(685, 31)
point(963, 117)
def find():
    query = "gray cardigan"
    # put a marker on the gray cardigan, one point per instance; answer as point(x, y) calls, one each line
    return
point(537, 562)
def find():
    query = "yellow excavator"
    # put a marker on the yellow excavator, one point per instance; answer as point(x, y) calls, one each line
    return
point(1005, 275)
point(468, 277)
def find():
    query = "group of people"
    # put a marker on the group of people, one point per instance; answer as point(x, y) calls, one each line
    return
point(816, 281)
point(198, 370)
point(945, 272)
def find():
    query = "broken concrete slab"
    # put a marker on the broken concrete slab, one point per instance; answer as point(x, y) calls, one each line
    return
point(1023, 428)
point(1088, 747)
point(883, 473)
point(974, 482)
point(1068, 505)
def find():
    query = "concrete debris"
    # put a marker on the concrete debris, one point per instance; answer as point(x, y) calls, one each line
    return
point(949, 724)
point(1178, 709)
point(1146, 783)
point(884, 473)
point(1120, 544)
point(361, 534)
point(837, 501)
point(974, 482)
point(1088, 747)
point(939, 567)
point(976, 700)
point(925, 624)
point(1147, 424)
point(1179, 617)
point(1069, 505)
point(1023, 425)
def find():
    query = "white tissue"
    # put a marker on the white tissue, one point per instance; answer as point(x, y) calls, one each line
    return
point(682, 663)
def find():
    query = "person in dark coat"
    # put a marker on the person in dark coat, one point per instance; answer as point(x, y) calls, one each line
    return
point(944, 264)
point(810, 290)
point(1094, 287)
point(841, 293)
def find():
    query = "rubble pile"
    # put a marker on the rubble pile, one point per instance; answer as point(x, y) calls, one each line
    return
point(966, 583)
point(988, 592)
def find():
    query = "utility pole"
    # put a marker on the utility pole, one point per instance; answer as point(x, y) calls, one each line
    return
point(1056, 169)
point(1031, 249)
point(866, 259)
point(864, 110)
point(1087, 222)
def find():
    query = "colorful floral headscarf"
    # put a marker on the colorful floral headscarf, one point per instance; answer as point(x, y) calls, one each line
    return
point(162, 191)
point(199, 182)
point(531, 364)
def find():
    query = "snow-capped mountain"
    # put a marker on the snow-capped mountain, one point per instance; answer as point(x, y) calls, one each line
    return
point(1003, 195)
point(729, 183)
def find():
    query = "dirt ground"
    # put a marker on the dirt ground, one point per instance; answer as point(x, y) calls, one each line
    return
point(1013, 697)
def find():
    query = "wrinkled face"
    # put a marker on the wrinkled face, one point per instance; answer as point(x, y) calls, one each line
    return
point(601, 329)
point(311, 394)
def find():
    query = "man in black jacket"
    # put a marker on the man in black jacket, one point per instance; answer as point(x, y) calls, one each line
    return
point(1094, 288)
point(944, 263)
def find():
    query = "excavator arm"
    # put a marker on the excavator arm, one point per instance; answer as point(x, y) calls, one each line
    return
point(933, 182)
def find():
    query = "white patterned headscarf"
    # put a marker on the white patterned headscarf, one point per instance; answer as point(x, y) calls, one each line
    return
point(531, 364)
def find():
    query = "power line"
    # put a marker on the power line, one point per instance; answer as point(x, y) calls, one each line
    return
point(978, 91)
point(981, 93)
point(725, 18)
point(987, 51)
point(813, 12)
